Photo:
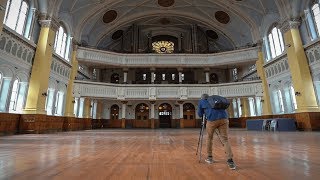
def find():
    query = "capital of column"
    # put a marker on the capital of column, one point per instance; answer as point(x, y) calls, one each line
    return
point(75, 44)
point(180, 102)
point(124, 102)
point(46, 21)
point(152, 102)
point(152, 69)
point(125, 69)
point(206, 69)
point(259, 44)
point(290, 24)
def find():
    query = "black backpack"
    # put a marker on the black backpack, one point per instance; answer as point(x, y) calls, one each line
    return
point(218, 102)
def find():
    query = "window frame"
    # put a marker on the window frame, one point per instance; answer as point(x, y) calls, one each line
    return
point(18, 17)
point(14, 106)
point(272, 46)
point(62, 42)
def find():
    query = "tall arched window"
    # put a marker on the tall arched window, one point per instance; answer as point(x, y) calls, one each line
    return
point(16, 15)
point(61, 43)
point(14, 96)
point(275, 42)
point(316, 16)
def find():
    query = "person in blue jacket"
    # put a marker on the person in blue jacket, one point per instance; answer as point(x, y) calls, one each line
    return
point(217, 119)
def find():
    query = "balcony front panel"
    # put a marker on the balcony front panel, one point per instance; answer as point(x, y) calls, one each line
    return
point(168, 91)
point(87, 55)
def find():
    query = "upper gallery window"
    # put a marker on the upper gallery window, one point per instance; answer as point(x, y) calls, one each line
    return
point(316, 16)
point(275, 42)
point(16, 15)
point(163, 47)
point(61, 43)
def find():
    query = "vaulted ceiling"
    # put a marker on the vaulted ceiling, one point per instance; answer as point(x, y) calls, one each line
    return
point(245, 22)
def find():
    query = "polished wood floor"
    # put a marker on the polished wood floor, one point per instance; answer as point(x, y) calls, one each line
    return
point(157, 154)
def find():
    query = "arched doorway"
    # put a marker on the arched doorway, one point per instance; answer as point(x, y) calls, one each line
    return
point(214, 79)
point(165, 115)
point(142, 116)
point(142, 112)
point(189, 115)
point(114, 112)
point(115, 78)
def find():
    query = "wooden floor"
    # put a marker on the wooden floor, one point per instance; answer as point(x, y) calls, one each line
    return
point(157, 154)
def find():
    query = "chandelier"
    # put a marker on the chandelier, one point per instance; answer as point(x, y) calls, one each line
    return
point(163, 47)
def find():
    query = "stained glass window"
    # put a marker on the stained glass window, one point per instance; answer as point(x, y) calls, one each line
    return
point(163, 47)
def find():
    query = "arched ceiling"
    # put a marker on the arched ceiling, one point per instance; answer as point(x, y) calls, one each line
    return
point(85, 17)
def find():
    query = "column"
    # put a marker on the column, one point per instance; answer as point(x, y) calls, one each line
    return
point(87, 108)
point(266, 95)
point(181, 114)
point(125, 75)
point(152, 75)
point(230, 109)
point(40, 73)
point(299, 68)
point(69, 111)
point(3, 5)
point(245, 107)
point(123, 114)
point(152, 115)
point(180, 75)
point(207, 71)
point(99, 109)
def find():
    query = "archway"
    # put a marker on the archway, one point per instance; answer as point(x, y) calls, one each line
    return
point(115, 78)
point(114, 112)
point(142, 112)
point(165, 115)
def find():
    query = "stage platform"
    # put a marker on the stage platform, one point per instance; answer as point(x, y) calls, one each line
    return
point(158, 154)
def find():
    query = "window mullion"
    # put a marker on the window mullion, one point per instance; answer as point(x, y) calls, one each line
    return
point(18, 17)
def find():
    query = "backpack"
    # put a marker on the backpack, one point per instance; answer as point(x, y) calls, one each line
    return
point(218, 102)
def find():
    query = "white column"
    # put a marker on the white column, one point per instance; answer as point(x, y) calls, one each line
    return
point(180, 77)
point(152, 115)
point(181, 110)
point(123, 110)
point(125, 77)
point(207, 77)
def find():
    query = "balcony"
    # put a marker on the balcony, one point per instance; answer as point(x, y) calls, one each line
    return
point(86, 55)
point(165, 91)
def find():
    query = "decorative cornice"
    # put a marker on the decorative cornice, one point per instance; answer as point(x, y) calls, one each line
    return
point(290, 24)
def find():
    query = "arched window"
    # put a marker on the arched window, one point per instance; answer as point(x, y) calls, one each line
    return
point(279, 102)
point(62, 43)
point(16, 15)
point(316, 16)
point(59, 103)
point(275, 42)
point(14, 96)
point(214, 79)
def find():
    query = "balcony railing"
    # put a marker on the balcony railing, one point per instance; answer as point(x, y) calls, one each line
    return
point(166, 60)
point(165, 91)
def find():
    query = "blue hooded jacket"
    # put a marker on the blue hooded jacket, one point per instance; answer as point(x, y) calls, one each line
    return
point(204, 107)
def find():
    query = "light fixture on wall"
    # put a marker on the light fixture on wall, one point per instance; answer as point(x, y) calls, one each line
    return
point(44, 94)
point(297, 93)
point(73, 101)
point(262, 100)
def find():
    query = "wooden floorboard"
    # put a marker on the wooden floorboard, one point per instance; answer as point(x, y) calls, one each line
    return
point(158, 154)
